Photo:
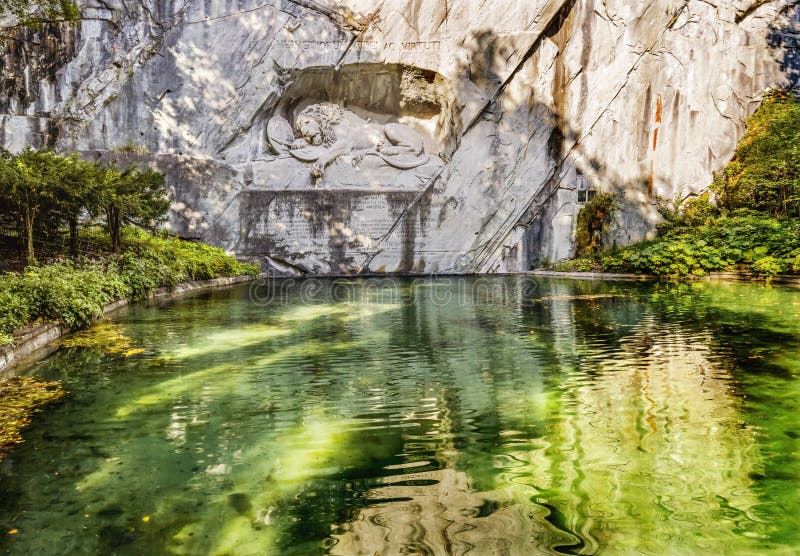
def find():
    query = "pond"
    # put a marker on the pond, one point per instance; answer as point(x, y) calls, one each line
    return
point(511, 415)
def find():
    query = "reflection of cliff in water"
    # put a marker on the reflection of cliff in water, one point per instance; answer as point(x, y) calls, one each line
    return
point(445, 518)
point(592, 418)
point(646, 431)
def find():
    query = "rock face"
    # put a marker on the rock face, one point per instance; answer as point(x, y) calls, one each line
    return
point(424, 136)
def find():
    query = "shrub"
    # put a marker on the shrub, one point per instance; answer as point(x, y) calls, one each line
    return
point(592, 221)
point(16, 308)
point(754, 224)
point(74, 295)
point(769, 266)
point(614, 263)
point(584, 264)
point(177, 260)
point(686, 212)
point(720, 245)
point(76, 292)
point(753, 234)
point(764, 174)
point(144, 273)
point(678, 257)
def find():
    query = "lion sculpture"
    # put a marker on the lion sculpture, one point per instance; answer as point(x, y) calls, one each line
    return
point(326, 132)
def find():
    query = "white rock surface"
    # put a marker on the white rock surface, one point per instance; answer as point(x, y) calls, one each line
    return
point(642, 98)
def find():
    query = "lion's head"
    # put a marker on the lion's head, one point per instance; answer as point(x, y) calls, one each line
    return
point(316, 123)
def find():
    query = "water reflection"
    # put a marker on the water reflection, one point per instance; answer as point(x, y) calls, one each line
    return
point(583, 419)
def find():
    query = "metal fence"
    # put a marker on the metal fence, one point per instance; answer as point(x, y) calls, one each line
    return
point(47, 247)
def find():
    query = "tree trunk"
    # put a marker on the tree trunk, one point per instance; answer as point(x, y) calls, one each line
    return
point(29, 235)
point(112, 215)
point(73, 236)
point(20, 237)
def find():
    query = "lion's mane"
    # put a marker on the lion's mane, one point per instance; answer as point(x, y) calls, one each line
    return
point(327, 115)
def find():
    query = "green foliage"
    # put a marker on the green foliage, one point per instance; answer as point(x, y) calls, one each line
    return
point(764, 174)
point(770, 266)
point(583, 264)
point(133, 196)
point(592, 221)
point(186, 260)
point(76, 292)
point(748, 241)
point(35, 13)
point(686, 212)
point(28, 185)
point(15, 307)
point(751, 224)
point(41, 192)
point(72, 294)
point(676, 257)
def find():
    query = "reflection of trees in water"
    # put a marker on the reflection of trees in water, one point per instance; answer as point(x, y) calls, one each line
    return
point(580, 421)
point(644, 445)
point(753, 333)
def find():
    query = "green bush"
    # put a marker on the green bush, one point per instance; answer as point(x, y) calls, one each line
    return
point(752, 233)
point(764, 174)
point(74, 295)
point(145, 273)
point(749, 219)
point(16, 307)
point(686, 212)
point(769, 266)
point(583, 264)
point(55, 292)
point(678, 257)
point(593, 220)
point(768, 245)
point(175, 260)
point(76, 292)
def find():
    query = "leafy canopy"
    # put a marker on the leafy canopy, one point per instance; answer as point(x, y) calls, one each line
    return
point(41, 190)
point(34, 13)
point(764, 174)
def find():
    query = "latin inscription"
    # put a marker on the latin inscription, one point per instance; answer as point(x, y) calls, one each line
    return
point(412, 46)
point(362, 223)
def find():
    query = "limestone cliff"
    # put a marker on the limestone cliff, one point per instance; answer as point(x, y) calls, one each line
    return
point(473, 125)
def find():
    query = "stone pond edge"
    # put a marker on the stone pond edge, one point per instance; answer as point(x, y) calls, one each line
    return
point(39, 341)
point(791, 279)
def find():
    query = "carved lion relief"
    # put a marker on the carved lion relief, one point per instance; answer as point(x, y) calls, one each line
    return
point(324, 132)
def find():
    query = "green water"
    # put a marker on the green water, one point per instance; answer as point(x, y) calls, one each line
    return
point(502, 416)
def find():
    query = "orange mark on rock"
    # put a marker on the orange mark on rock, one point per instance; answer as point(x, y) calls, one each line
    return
point(659, 108)
point(655, 138)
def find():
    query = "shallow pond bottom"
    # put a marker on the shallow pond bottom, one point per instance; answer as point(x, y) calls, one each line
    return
point(485, 416)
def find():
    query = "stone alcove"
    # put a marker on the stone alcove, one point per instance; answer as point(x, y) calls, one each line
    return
point(382, 93)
